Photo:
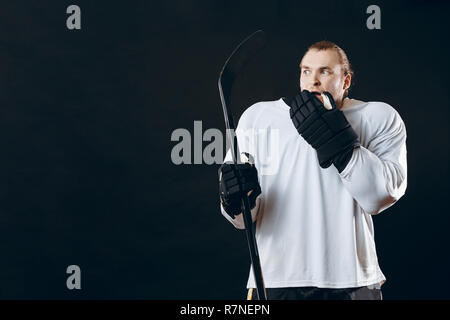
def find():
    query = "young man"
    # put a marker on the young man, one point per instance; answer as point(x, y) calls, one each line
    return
point(334, 162)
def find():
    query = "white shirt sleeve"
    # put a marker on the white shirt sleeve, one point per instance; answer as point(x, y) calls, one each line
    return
point(376, 175)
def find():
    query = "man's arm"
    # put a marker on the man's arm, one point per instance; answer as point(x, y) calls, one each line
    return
point(376, 175)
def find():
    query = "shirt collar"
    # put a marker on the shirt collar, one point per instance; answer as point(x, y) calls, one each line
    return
point(348, 103)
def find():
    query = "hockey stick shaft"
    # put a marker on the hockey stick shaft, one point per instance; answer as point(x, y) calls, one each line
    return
point(233, 65)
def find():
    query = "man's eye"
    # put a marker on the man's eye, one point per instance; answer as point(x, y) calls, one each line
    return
point(325, 72)
point(306, 71)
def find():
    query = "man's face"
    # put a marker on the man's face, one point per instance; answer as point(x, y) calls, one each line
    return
point(321, 71)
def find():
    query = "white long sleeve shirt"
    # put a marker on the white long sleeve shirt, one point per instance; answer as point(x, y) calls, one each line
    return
point(314, 226)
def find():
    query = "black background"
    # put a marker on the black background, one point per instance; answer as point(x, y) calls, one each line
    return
point(86, 117)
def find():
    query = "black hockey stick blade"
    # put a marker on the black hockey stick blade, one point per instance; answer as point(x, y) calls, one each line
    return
point(232, 67)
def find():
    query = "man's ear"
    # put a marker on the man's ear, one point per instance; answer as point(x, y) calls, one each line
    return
point(347, 82)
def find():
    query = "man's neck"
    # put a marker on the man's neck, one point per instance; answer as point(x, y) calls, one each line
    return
point(340, 103)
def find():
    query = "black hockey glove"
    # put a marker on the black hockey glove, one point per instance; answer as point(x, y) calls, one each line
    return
point(230, 196)
point(327, 131)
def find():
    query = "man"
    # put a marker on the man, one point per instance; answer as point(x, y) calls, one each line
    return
point(338, 162)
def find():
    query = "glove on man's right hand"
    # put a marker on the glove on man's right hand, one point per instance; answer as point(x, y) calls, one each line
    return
point(326, 130)
point(230, 195)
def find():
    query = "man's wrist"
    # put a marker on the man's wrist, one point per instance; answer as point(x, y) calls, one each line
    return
point(342, 159)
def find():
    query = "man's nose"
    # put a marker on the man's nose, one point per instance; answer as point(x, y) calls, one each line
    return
point(316, 81)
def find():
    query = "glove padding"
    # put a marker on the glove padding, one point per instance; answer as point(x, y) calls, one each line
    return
point(327, 131)
point(230, 195)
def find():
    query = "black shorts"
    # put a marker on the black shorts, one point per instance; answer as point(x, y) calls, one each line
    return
point(372, 292)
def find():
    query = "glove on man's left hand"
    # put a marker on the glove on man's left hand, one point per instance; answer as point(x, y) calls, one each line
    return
point(327, 131)
point(230, 193)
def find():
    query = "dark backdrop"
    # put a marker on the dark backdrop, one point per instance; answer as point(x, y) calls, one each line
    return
point(86, 117)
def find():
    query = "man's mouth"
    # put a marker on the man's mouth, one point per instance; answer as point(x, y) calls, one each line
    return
point(317, 94)
point(324, 99)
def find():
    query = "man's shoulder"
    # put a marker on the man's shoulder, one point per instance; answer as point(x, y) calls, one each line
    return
point(382, 114)
point(262, 108)
point(378, 117)
point(256, 107)
point(380, 108)
point(373, 111)
point(367, 106)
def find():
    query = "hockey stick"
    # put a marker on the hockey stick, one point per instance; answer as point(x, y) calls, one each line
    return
point(230, 71)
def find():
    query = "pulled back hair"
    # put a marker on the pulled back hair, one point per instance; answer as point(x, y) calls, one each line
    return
point(343, 59)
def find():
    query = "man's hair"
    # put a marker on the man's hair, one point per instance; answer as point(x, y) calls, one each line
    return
point(343, 59)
